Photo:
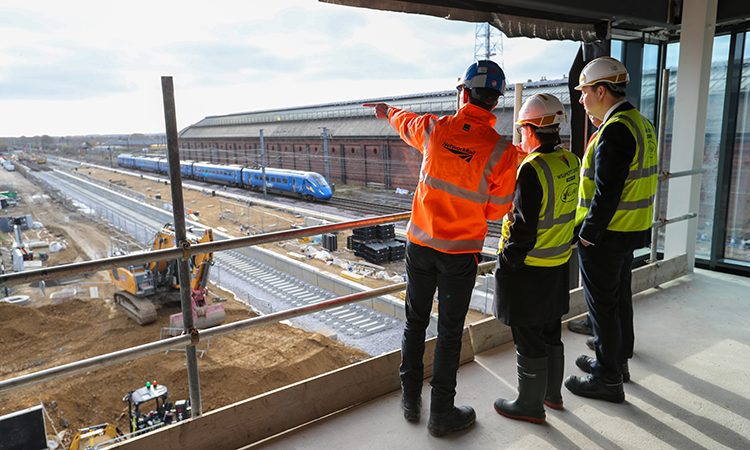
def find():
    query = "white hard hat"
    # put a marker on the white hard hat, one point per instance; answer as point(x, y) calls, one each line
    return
point(542, 110)
point(604, 69)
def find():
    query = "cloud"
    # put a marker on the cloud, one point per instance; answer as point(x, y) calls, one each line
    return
point(56, 73)
point(335, 23)
point(217, 62)
point(530, 59)
point(96, 67)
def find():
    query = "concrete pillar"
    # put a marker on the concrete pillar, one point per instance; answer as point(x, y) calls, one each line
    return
point(696, 44)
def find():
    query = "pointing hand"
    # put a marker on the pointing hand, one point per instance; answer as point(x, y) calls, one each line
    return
point(381, 109)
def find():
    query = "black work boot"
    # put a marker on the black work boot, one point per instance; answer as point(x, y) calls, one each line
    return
point(582, 326)
point(586, 363)
point(555, 368)
point(455, 419)
point(412, 407)
point(532, 384)
point(594, 387)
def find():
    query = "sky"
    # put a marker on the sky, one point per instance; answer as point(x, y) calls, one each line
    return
point(83, 67)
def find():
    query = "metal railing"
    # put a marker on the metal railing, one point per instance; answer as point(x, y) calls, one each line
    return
point(181, 253)
point(188, 250)
point(663, 176)
point(151, 348)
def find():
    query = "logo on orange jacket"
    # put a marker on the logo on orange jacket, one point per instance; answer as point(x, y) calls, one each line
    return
point(464, 153)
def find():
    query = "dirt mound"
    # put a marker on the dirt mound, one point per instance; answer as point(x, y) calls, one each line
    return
point(234, 367)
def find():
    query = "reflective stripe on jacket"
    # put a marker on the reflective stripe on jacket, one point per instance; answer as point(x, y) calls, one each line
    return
point(635, 209)
point(467, 177)
point(558, 175)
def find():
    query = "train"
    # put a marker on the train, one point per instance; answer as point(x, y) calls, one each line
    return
point(308, 185)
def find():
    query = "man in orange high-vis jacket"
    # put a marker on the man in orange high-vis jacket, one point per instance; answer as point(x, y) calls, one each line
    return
point(467, 177)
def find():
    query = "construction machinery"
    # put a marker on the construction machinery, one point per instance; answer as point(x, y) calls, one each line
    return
point(90, 438)
point(164, 412)
point(141, 288)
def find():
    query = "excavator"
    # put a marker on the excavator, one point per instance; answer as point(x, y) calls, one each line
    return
point(141, 288)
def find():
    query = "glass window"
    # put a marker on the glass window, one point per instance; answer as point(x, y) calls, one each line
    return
point(615, 49)
point(649, 89)
point(715, 109)
point(737, 246)
point(714, 118)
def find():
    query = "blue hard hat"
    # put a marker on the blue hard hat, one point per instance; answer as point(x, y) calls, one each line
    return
point(484, 74)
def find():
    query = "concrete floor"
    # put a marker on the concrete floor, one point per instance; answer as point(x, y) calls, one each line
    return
point(690, 387)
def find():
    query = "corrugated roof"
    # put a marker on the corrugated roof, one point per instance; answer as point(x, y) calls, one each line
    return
point(350, 119)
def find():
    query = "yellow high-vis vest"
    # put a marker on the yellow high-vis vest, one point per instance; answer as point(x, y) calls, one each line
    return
point(558, 173)
point(635, 211)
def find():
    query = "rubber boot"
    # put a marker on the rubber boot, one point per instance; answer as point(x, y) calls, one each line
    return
point(532, 384)
point(555, 369)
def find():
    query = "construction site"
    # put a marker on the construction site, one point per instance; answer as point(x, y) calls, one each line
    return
point(161, 298)
point(77, 318)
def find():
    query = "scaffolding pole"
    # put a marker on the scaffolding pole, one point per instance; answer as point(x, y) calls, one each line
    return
point(178, 217)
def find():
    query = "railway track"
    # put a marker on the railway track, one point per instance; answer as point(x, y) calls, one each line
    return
point(385, 204)
point(366, 207)
point(281, 290)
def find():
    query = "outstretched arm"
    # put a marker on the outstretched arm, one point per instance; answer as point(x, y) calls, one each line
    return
point(381, 109)
point(410, 126)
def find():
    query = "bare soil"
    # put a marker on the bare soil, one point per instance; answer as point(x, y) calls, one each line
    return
point(76, 325)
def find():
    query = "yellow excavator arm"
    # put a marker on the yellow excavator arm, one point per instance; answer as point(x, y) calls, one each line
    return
point(201, 264)
point(138, 287)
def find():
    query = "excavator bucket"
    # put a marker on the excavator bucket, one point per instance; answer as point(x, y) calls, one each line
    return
point(203, 317)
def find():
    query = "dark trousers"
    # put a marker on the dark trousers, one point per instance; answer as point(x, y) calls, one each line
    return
point(453, 276)
point(532, 340)
point(606, 274)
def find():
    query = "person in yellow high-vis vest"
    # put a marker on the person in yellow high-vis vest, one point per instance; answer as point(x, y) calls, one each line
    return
point(615, 213)
point(532, 275)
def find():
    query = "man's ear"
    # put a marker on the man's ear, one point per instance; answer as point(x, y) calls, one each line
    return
point(601, 92)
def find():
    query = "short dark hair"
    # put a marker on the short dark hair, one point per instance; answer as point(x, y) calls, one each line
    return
point(617, 90)
point(484, 97)
point(548, 136)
